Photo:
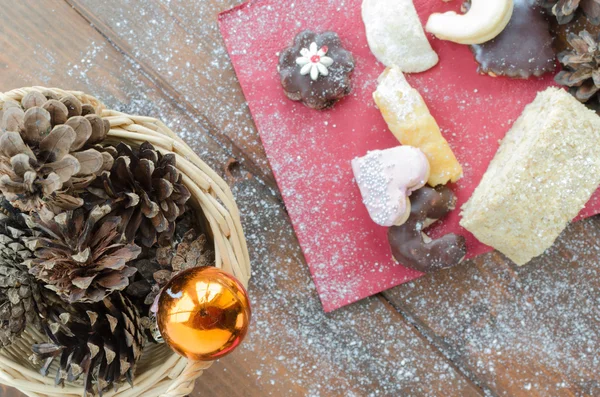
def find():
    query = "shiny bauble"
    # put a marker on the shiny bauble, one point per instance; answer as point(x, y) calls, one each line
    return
point(203, 313)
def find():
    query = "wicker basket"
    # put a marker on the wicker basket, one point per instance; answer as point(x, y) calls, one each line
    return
point(160, 371)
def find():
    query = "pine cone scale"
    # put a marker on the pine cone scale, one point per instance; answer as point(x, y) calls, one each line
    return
point(36, 125)
point(591, 8)
point(13, 119)
point(57, 110)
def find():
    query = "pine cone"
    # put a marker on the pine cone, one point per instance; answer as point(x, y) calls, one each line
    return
point(159, 265)
point(147, 187)
point(565, 10)
point(21, 301)
point(581, 69)
point(80, 256)
point(101, 342)
point(45, 157)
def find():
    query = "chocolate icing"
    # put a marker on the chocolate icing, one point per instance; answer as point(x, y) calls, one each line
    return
point(523, 49)
point(409, 246)
point(326, 90)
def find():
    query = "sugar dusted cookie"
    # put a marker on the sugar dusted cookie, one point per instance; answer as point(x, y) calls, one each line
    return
point(386, 178)
point(544, 173)
point(395, 35)
point(409, 119)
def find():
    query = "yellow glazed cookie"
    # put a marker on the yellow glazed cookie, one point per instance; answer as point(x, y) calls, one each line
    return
point(409, 119)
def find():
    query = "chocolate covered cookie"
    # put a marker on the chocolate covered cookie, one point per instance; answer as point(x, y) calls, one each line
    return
point(316, 69)
point(523, 49)
point(413, 248)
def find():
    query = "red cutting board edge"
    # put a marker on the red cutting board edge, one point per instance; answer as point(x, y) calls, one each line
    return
point(310, 151)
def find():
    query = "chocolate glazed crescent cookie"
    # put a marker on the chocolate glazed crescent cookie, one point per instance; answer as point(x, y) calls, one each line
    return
point(413, 248)
point(316, 69)
point(523, 49)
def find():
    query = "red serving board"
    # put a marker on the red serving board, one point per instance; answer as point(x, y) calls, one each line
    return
point(310, 151)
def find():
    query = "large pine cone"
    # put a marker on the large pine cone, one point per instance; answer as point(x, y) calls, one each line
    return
point(45, 157)
point(101, 342)
point(80, 254)
point(147, 187)
point(21, 300)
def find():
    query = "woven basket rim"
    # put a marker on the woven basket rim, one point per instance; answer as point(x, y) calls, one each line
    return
point(172, 376)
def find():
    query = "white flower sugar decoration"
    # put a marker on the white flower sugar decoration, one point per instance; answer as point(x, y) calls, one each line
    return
point(314, 61)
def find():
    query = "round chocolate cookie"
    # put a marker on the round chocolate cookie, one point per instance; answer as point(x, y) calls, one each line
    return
point(316, 69)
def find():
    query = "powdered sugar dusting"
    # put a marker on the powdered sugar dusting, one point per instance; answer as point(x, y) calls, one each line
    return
point(525, 331)
point(376, 352)
point(538, 323)
point(395, 84)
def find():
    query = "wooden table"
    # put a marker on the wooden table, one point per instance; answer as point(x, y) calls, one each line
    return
point(484, 328)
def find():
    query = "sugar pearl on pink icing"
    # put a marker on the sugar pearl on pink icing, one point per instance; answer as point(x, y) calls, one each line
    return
point(386, 178)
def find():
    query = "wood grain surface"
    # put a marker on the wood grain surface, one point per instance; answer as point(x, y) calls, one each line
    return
point(484, 328)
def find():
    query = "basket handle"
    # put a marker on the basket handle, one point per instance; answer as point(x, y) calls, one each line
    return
point(184, 384)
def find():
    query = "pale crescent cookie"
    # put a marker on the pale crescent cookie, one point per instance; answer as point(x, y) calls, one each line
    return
point(395, 35)
point(485, 20)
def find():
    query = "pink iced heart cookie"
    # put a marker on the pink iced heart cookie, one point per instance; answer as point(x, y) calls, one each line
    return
point(386, 178)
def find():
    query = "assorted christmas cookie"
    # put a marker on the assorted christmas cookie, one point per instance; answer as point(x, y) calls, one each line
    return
point(413, 248)
point(543, 174)
point(523, 49)
point(316, 69)
point(386, 179)
point(409, 119)
point(485, 20)
point(395, 35)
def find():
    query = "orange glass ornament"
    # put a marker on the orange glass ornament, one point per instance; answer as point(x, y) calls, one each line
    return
point(203, 313)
